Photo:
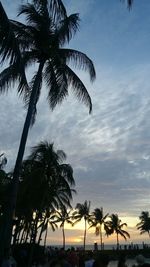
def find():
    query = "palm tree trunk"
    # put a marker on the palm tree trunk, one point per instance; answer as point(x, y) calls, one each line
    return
point(84, 236)
point(22, 236)
point(16, 231)
point(10, 212)
point(27, 234)
point(18, 237)
point(45, 236)
point(101, 238)
point(63, 231)
point(117, 241)
point(42, 227)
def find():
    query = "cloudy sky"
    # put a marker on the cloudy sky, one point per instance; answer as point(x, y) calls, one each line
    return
point(109, 150)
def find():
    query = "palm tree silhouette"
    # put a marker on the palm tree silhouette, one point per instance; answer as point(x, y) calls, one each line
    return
point(47, 220)
point(63, 216)
point(115, 226)
point(46, 184)
point(144, 224)
point(98, 220)
point(82, 212)
point(40, 41)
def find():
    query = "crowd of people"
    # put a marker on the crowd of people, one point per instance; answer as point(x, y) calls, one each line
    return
point(74, 258)
point(54, 257)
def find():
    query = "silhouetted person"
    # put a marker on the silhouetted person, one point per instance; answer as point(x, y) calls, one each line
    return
point(73, 258)
point(89, 260)
point(101, 261)
point(122, 261)
point(8, 260)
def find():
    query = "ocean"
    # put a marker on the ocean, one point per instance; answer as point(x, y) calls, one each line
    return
point(106, 246)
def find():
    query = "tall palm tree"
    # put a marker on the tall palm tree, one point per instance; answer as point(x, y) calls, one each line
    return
point(144, 224)
point(82, 211)
point(98, 220)
point(63, 216)
point(115, 226)
point(40, 41)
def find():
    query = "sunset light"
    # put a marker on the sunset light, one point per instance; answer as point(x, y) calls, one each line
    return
point(74, 130)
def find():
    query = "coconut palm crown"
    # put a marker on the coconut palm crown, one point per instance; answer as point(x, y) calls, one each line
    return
point(116, 226)
point(82, 211)
point(98, 220)
point(144, 224)
point(63, 216)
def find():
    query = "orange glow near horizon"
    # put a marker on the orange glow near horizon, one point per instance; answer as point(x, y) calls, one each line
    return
point(74, 235)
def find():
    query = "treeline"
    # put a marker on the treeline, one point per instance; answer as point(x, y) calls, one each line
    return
point(46, 189)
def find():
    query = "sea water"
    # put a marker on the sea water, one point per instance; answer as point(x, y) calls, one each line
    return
point(91, 246)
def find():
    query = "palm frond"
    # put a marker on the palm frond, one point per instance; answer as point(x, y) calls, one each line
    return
point(104, 218)
point(10, 50)
point(67, 172)
point(124, 234)
point(53, 226)
point(56, 81)
point(67, 28)
point(8, 78)
point(9, 46)
point(32, 16)
point(41, 6)
point(23, 33)
point(57, 10)
point(62, 155)
point(79, 60)
point(77, 220)
point(11, 76)
point(78, 88)
point(123, 224)
point(42, 151)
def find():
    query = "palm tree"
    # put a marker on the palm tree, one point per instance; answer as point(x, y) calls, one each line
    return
point(46, 185)
point(48, 219)
point(41, 40)
point(115, 226)
point(82, 211)
point(98, 220)
point(144, 224)
point(63, 216)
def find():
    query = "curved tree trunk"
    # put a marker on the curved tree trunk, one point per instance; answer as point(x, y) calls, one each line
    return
point(45, 238)
point(63, 231)
point(101, 238)
point(10, 212)
point(117, 241)
point(42, 227)
point(22, 236)
point(16, 231)
point(84, 236)
point(27, 233)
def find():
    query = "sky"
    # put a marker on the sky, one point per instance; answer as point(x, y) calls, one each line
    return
point(109, 150)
